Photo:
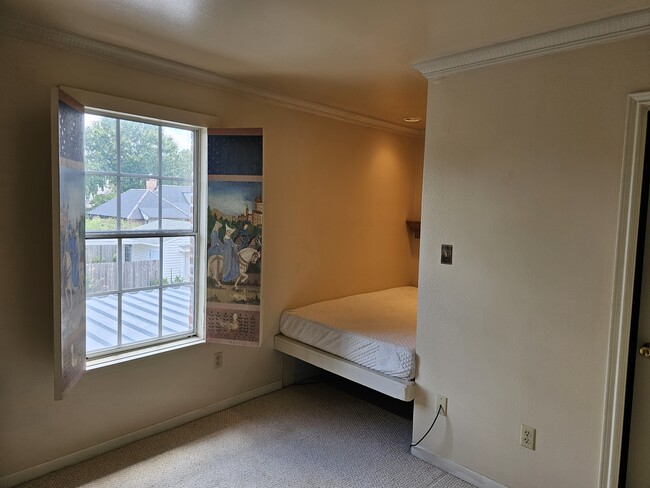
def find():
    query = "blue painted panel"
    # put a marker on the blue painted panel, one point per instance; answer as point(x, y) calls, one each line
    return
point(71, 132)
point(70, 328)
point(234, 155)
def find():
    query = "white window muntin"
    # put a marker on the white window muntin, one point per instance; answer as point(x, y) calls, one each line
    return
point(119, 235)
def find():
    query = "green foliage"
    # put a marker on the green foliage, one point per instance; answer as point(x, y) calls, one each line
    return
point(107, 191)
point(98, 224)
point(139, 151)
point(103, 224)
point(156, 282)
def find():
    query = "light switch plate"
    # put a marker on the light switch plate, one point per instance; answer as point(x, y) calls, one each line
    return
point(446, 253)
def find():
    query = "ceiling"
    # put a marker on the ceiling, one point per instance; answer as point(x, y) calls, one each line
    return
point(354, 55)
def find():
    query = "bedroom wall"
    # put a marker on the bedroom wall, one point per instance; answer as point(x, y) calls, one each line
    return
point(522, 173)
point(336, 198)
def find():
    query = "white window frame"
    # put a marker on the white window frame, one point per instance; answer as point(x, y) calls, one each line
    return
point(141, 111)
point(119, 235)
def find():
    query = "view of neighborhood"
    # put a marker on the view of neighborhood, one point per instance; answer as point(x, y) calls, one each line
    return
point(139, 178)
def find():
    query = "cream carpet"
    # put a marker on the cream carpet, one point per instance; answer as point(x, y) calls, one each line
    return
point(301, 436)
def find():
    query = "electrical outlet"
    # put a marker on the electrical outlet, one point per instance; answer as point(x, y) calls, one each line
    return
point(217, 360)
point(527, 439)
point(441, 401)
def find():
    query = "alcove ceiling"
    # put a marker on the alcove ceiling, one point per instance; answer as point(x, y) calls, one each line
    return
point(354, 55)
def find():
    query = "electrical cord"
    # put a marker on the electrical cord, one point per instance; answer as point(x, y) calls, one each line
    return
point(429, 430)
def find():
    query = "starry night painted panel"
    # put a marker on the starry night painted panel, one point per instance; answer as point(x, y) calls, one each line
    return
point(234, 254)
point(69, 239)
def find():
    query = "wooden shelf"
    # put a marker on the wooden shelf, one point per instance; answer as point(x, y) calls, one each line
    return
point(414, 226)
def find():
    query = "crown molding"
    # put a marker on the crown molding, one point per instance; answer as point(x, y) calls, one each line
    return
point(11, 27)
point(600, 31)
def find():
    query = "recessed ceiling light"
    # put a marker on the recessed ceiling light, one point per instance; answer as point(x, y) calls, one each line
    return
point(412, 120)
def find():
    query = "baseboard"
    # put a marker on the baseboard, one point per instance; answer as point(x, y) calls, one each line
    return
point(84, 454)
point(455, 469)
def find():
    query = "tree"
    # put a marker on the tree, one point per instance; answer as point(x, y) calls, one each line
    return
point(139, 145)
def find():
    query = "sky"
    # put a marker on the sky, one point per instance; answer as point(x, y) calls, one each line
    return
point(232, 197)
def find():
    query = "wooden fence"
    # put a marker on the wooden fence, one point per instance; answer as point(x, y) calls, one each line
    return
point(102, 277)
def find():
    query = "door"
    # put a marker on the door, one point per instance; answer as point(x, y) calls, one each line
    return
point(638, 449)
point(638, 467)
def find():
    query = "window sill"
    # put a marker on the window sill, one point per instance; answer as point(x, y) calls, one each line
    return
point(142, 353)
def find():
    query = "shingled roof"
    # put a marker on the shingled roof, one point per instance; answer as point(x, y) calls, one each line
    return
point(142, 204)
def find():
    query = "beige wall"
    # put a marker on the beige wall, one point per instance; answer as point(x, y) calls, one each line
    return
point(336, 198)
point(522, 172)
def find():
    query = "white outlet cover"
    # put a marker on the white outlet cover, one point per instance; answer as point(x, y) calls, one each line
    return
point(441, 401)
point(217, 360)
point(527, 438)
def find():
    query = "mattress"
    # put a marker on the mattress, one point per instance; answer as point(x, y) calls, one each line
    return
point(375, 330)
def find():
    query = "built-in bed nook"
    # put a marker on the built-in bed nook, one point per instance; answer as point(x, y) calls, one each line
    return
point(367, 338)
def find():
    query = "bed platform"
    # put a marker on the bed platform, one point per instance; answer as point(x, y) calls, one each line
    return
point(367, 338)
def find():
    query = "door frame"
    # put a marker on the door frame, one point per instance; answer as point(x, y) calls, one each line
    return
point(638, 107)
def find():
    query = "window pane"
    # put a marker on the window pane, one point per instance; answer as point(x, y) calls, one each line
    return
point(139, 148)
point(101, 265)
point(101, 322)
point(101, 203)
point(100, 143)
point(177, 205)
point(177, 260)
point(139, 178)
point(177, 152)
point(140, 262)
point(139, 203)
point(178, 310)
point(140, 316)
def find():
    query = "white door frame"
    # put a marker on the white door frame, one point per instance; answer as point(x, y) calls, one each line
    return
point(638, 107)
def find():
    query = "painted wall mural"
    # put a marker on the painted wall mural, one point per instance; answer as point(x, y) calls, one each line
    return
point(234, 255)
point(70, 354)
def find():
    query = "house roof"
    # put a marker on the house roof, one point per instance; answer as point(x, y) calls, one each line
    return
point(141, 204)
point(140, 316)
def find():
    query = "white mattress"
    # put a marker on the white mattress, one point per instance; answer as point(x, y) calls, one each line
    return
point(375, 330)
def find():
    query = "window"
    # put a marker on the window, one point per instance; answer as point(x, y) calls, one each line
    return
point(132, 198)
point(141, 229)
point(129, 230)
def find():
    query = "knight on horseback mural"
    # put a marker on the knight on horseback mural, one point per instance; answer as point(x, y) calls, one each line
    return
point(230, 256)
point(234, 250)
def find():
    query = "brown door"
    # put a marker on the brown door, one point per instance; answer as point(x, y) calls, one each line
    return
point(638, 452)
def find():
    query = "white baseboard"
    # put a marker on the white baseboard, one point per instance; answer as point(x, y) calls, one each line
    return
point(78, 456)
point(455, 469)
